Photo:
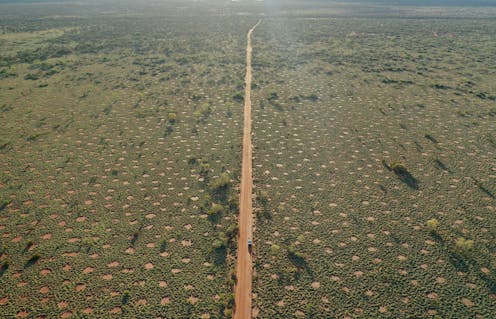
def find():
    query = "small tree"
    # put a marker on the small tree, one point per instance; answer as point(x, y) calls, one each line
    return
point(464, 245)
point(274, 249)
point(215, 210)
point(172, 117)
point(221, 183)
point(217, 244)
point(432, 224)
point(293, 253)
point(399, 168)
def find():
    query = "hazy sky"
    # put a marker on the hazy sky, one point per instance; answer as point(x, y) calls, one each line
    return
point(382, 2)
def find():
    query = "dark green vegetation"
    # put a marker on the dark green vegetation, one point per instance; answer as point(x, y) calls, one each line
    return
point(374, 150)
point(119, 151)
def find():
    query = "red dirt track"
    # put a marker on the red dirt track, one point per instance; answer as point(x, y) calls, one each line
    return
point(244, 266)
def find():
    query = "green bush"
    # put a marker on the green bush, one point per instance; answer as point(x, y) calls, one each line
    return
point(31, 76)
point(172, 117)
point(432, 224)
point(464, 244)
point(218, 244)
point(220, 184)
point(204, 169)
point(232, 231)
point(293, 253)
point(215, 210)
point(275, 249)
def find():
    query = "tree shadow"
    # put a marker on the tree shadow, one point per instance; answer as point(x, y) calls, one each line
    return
point(3, 268)
point(219, 256)
point(4, 204)
point(31, 261)
point(458, 261)
point(440, 165)
point(464, 263)
point(487, 191)
point(402, 173)
point(407, 178)
point(435, 235)
point(490, 282)
point(301, 263)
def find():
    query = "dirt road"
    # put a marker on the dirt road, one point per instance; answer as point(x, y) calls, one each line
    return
point(244, 267)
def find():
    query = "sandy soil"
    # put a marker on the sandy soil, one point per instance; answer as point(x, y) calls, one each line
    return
point(244, 267)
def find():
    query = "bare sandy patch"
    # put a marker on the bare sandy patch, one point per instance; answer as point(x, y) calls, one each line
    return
point(88, 270)
point(107, 277)
point(44, 290)
point(4, 300)
point(80, 287)
point(115, 310)
point(62, 304)
point(467, 302)
point(45, 272)
point(432, 295)
point(141, 302)
point(46, 236)
point(186, 243)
